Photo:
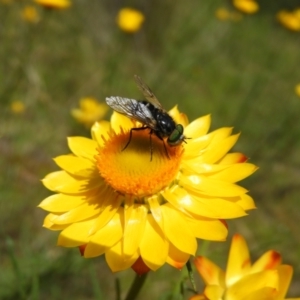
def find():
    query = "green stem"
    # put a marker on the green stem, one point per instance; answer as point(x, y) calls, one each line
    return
point(191, 275)
point(136, 286)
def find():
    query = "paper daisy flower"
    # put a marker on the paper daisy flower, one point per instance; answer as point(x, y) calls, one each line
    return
point(266, 279)
point(130, 20)
point(89, 111)
point(54, 4)
point(143, 211)
point(246, 6)
point(290, 20)
point(30, 14)
point(17, 107)
point(297, 89)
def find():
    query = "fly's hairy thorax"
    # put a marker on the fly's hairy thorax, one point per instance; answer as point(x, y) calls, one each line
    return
point(165, 123)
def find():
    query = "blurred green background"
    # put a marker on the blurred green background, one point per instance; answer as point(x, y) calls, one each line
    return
point(242, 72)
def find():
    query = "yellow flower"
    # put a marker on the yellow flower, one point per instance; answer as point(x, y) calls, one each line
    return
point(30, 14)
point(54, 4)
point(297, 89)
point(89, 112)
point(246, 6)
point(224, 14)
point(290, 20)
point(137, 212)
point(266, 279)
point(17, 107)
point(130, 20)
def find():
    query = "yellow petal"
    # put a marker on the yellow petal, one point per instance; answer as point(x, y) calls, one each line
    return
point(220, 134)
point(109, 204)
point(217, 150)
point(106, 237)
point(285, 273)
point(235, 173)
point(93, 250)
point(202, 206)
point(179, 118)
point(195, 167)
point(83, 147)
point(238, 261)
point(270, 260)
point(232, 158)
point(194, 148)
point(177, 258)
point(177, 230)
point(246, 202)
point(120, 122)
point(135, 221)
point(116, 260)
point(264, 293)
point(153, 247)
point(50, 225)
point(208, 229)
point(198, 127)
point(155, 209)
point(209, 272)
point(77, 166)
point(211, 187)
point(63, 182)
point(61, 203)
point(214, 292)
point(76, 234)
point(100, 132)
point(253, 282)
point(80, 213)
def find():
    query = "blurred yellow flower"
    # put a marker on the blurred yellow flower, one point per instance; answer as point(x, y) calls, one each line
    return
point(54, 4)
point(297, 89)
point(30, 14)
point(266, 279)
point(17, 107)
point(89, 112)
point(224, 14)
point(290, 20)
point(130, 20)
point(246, 6)
point(141, 213)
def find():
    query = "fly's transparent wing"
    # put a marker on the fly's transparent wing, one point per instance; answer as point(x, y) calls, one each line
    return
point(133, 109)
point(148, 94)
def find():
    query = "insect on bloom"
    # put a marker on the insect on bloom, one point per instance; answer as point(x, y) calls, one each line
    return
point(151, 114)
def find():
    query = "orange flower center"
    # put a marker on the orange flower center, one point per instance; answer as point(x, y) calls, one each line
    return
point(138, 171)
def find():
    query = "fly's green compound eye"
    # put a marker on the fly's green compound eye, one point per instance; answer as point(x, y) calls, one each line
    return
point(176, 136)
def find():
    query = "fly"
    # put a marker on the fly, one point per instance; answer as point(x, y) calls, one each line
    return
point(151, 114)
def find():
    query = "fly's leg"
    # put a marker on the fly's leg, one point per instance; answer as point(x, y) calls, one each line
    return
point(130, 135)
point(166, 150)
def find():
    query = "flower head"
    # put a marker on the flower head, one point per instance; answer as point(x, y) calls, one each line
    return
point(290, 20)
point(17, 107)
point(143, 213)
point(297, 89)
point(246, 6)
point(224, 14)
point(130, 20)
point(30, 14)
point(89, 112)
point(266, 279)
point(54, 4)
